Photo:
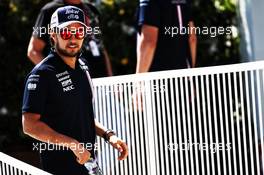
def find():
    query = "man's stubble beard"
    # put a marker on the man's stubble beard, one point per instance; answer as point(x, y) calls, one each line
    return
point(65, 53)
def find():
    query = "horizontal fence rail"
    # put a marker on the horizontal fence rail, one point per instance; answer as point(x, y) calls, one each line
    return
point(12, 166)
point(189, 122)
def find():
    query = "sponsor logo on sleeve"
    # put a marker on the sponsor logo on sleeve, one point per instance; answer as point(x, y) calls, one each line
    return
point(33, 78)
point(31, 86)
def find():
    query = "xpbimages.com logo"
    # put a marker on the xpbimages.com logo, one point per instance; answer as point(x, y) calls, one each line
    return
point(212, 147)
point(40, 147)
point(41, 31)
point(173, 31)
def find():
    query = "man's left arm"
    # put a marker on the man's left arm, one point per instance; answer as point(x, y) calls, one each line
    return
point(116, 142)
point(192, 43)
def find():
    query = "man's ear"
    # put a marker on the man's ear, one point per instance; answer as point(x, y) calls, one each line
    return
point(53, 36)
point(52, 39)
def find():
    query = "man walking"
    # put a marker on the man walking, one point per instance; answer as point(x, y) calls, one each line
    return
point(58, 100)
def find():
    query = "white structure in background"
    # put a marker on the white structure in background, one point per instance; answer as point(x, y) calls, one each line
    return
point(193, 122)
point(252, 24)
point(12, 166)
point(251, 14)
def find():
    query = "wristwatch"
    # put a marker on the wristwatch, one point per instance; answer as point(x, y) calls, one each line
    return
point(106, 133)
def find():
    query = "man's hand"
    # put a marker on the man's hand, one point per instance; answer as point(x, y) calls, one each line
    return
point(120, 145)
point(82, 154)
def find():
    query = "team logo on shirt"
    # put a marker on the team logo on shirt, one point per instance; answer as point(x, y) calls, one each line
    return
point(32, 86)
point(32, 82)
point(33, 78)
point(65, 80)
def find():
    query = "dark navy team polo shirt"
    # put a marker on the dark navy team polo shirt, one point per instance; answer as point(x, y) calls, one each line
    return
point(172, 52)
point(63, 98)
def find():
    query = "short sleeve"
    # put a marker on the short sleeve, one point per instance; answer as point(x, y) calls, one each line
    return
point(40, 29)
point(149, 13)
point(35, 93)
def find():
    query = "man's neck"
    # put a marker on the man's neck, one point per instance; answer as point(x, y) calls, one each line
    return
point(70, 61)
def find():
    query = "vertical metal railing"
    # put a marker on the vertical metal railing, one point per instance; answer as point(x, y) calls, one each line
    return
point(191, 121)
point(203, 121)
point(12, 166)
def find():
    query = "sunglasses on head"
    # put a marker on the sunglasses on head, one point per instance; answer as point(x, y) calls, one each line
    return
point(67, 34)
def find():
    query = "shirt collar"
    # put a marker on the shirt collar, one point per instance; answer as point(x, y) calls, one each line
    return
point(61, 62)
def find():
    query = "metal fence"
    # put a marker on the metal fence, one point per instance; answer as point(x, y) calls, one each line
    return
point(12, 166)
point(189, 122)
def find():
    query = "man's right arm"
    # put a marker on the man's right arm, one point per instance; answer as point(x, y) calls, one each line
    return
point(35, 49)
point(34, 127)
point(146, 46)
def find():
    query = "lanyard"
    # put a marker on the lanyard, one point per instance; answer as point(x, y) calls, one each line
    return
point(88, 77)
